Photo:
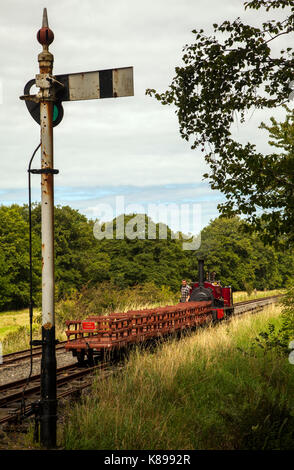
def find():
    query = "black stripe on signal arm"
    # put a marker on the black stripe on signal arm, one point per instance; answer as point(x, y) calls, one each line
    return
point(62, 93)
point(106, 86)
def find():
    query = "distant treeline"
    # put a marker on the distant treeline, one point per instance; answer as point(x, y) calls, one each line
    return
point(239, 259)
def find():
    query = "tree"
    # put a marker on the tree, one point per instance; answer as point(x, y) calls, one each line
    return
point(125, 268)
point(137, 261)
point(14, 258)
point(222, 78)
point(241, 260)
point(78, 259)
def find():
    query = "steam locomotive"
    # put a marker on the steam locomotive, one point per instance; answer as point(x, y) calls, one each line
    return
point(209, 290)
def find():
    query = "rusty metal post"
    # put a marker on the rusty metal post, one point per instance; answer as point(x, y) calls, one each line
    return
point(48, 415)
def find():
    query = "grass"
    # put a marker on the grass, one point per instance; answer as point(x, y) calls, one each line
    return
point(14, 330)
point(210, 390)
point(10, 321)
point(241, 296)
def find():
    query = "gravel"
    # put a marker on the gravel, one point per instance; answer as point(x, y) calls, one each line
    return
point(21, 370)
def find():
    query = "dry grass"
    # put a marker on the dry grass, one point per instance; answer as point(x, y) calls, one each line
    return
point(241, 296)
point(205, 342)
point(15, 333)
point(10, 321)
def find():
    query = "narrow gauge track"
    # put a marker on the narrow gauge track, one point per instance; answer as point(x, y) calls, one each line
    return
point(240, 307)
point(72, 379)
point(255, 305)
point(19, 356)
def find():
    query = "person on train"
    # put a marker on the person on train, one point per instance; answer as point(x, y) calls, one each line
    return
point(185, 291)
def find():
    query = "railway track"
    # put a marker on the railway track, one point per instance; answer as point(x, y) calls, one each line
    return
point(19, 356)
point(254, 305)
point(72, 379)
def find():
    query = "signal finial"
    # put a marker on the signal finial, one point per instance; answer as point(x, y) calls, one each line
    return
point(45, 35)
point(45, 19)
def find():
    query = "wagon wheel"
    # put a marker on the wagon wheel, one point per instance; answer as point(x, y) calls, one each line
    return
point(90, 357)
point(81, 356)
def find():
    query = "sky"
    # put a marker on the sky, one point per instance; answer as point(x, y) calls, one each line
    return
point(127, 148)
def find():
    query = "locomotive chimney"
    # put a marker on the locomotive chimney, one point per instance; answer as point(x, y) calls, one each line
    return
point(201, 272)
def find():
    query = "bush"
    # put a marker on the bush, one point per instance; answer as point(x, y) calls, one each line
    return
point(106, 297)
point(279, 338)
point(287, 329)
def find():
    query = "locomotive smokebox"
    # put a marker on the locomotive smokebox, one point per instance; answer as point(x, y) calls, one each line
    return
point(201, 272)
point(201, 293)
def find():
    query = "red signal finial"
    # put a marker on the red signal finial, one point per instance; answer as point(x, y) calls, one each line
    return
point(45, 35)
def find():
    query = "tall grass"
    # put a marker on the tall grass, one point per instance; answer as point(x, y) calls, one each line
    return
point(10, 321)
point(15, 331)
point(241, 296)
point(210, 390)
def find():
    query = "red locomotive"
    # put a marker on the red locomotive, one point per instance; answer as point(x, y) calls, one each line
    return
point(100, 335)
point(221, 298)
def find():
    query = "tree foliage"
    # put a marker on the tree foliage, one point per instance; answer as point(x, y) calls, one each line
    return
point(14, 257)
point(224, 76)
point(241, 261)
point(108, 271)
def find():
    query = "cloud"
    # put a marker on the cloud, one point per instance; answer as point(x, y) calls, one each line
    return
point(125, 143)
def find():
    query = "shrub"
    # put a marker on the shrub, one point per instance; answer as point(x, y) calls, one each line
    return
point(106, 297)
point(279, 338)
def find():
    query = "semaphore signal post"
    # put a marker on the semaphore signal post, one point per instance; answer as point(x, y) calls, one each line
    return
point(46, 109)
